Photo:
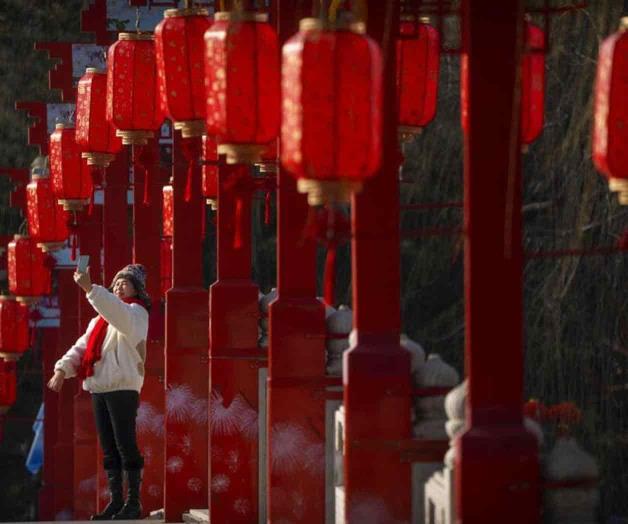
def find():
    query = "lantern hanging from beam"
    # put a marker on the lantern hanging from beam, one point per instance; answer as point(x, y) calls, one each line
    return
point(132, 96)
point(29, 274)
point(209, 180)
point(71, 181)
point(168, 210)
point(14, 338)
point(242, 79)
point(179, 45)
point(418, 66)
point(96, 136)
point(532, 85)
point(610, 112)
point(8, 386)
point(332, 109)
point(46, 219)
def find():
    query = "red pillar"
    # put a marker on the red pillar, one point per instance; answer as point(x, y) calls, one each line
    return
point(64, 445)
point(117, 252)
point(497, 470)
point(377, 370)
point(235, 361)
point(47, 497)
point(85, 440)
point(186, 350)
point(296, 383)
point(146, 251)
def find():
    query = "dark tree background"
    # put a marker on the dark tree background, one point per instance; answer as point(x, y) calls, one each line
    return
point(575, 307)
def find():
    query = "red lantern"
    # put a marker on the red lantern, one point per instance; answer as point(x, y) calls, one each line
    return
point(418, 66)
point(71, 181)
point(29, 276)
point(610, 132)
point(210, 171)
point(14, 339)
point(180, 48)
point(46, 220)
point(532, 85)
point(166, 265)
point(242, 84)
point(168, 211)
point(332, 98)
point(94, 134)
point(8, 386)
point(132, 99)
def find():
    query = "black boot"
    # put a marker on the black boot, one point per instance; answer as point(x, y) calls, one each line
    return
point(132, 509)
point(114, 478)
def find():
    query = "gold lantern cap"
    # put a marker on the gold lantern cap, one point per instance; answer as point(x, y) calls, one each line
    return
point(343, 24)
point(191, 128)
point(240, 16)
point(186, 11)
point(242, 153)
point(141, 35)
point(95, 70)
point(4, 298)
point(134, 137)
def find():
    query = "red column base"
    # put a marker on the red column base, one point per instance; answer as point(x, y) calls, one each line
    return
point(185, 480)
point(377, 419)
point(497, 476)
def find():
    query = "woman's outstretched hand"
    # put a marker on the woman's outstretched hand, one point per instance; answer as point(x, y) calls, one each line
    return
point(83, 280)
point(56, 382)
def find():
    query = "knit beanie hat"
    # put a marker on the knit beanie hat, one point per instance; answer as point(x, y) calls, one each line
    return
point(136, 274)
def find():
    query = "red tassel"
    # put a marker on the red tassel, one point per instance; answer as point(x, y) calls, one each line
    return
point(191, 154)
point(90, 209)
point(237, 239)
point(329, 284)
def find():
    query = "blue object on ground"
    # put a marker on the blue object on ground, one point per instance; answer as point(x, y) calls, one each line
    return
point(35, 457)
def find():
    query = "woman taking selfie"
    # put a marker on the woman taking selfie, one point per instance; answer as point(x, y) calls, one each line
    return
point(109, 358)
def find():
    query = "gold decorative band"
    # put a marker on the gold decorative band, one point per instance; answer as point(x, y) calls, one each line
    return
point(98, 159)
point(134, 137)
point(242, 153)
point(321, 192)
point(10, 357)
point(95, 70)
point(27, 300)
point(72, 204)
point(191, 128)
point(50, 246)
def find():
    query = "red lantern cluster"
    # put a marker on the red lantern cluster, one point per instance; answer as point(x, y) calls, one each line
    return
point(332, 106)
point(8, 386)
point(532, 85)
point(71, 181)
point(96, 136)
point(14, 339)
point(242, 78)
point(180, 49)
point(46, 220)
point(610, 113)
point(29, 275)
point(418, 67)
point(209, 181)
point(132, 98)
point(168, 211)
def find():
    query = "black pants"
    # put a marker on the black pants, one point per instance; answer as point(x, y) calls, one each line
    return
point(115, 414)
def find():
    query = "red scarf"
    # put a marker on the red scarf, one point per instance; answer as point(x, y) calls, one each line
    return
point(93, 352)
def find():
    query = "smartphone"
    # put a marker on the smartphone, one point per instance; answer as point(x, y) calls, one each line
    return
point(82, 263)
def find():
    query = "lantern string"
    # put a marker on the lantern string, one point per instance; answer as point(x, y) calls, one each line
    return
point(34, 316)
point(140, 165)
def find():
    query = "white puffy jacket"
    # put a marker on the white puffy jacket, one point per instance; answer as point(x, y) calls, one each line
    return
point(121, 366)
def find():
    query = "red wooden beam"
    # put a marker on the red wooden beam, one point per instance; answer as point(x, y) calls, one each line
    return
point(377, 398)
point(60, 75)
point(38, 129)
point(94, 20)
point(497, 468)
